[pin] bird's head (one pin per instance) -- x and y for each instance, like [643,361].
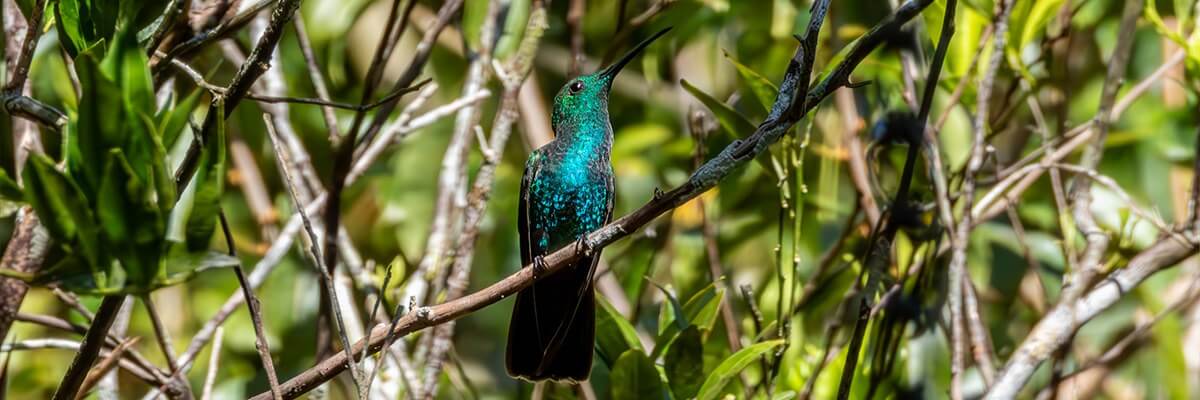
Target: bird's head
[586,97]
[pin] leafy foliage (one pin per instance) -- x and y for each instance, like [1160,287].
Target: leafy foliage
[111,207]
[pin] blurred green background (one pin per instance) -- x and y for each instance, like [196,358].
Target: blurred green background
[730,53]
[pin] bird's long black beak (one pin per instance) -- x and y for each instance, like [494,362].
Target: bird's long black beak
[611,72]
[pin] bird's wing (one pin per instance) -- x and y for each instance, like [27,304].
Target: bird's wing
[532,167]
[612,198]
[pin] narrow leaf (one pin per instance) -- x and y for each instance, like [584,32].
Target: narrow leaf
[732,366]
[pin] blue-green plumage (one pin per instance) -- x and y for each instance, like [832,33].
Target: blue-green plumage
[566,192]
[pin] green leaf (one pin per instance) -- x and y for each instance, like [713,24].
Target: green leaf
[1151,13]
[173,120]
[764,91]
[62,207]
[1018,21]
[132,226]
[182,264]
[684,364]
[700,310]
[1039,16]
[127,63]
[99,126]
[513,30]
[9,190]
[136,15]
[1183,12]
[635,378]
[733,122]
[473,14]
[66,17]
[208,184]
[679,319]
[733,365]
[614,335]
[103,17]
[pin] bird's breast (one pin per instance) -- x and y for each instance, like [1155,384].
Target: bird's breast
[566,203]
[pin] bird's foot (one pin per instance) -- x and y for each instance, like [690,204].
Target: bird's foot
[539,267]
[584,246]
[658,193]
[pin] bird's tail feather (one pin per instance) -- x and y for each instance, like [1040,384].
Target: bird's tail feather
[552,330]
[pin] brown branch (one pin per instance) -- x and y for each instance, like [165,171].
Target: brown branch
[25,252]
[89,349]
[164,342]
[788,109]
[19,70]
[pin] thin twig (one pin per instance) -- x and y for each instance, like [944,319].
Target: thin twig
[709,230]
[449,204]
[1057,327]
[343,159]
[164,341]
[314,74]
[214,358]
[260,337]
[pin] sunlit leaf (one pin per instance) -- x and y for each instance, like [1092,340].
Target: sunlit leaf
[732,366]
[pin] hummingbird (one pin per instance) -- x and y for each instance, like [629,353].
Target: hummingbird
[566,192]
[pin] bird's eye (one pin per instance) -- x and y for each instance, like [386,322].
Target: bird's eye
[575,87]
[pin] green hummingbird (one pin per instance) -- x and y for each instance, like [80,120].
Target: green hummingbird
[566,192]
